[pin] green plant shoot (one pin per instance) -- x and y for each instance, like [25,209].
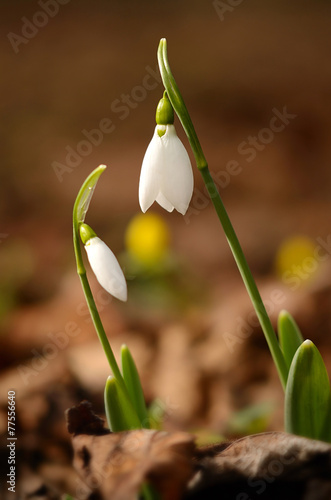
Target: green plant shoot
[307,396]
[119,408]
[290,337]
[120,412]
[133,385]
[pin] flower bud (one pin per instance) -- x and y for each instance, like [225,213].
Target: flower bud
[103,263]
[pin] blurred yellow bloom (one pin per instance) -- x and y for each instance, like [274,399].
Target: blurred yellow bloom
[297,261]
[147,238]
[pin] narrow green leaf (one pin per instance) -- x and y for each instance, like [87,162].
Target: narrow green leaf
[307,395]
[121,415]
[133,384]
[148,492]
[156,413]
[289,334]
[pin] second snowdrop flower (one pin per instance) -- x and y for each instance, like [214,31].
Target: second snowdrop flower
[166,173]
[104,263]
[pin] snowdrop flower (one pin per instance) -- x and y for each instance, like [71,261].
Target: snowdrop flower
[166,173]
[104,263]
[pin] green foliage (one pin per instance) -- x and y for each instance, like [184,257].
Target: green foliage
[121,415]
[289,334]
[307,395]
[251,420]
[133,385]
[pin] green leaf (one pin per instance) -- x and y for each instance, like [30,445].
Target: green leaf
[156,413]
[289,334]
[148,492]
[133,384]
[307,395]
[121,415]
[252,419]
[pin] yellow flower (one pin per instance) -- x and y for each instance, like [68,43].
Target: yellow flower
[147,238]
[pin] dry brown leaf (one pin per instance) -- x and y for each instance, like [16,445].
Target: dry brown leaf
[82,420]
[269,466]
[264,466]
[117,464]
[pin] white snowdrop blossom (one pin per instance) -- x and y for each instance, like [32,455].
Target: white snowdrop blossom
[166,173]
[106,268]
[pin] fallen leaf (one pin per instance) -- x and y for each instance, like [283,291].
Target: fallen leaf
[264,466]
[115,465]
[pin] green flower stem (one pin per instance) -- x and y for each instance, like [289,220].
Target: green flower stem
[247,277]
[178,104]
[100,329]
[79,212]
[184,117]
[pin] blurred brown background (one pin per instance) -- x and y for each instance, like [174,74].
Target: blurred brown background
[237,67]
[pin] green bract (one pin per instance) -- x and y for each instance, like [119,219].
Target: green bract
[80,209]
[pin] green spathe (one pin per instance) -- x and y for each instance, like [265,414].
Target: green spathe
[307,395]
[80,209]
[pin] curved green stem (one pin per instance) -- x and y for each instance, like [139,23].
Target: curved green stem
[184,117]
[178,104]
[100,329]
[80,208]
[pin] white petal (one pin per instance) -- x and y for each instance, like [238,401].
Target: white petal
[177,179]
[151,173]
[106,268]
[164,203]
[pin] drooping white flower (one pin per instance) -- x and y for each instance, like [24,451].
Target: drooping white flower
[106,268]
[166,173]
